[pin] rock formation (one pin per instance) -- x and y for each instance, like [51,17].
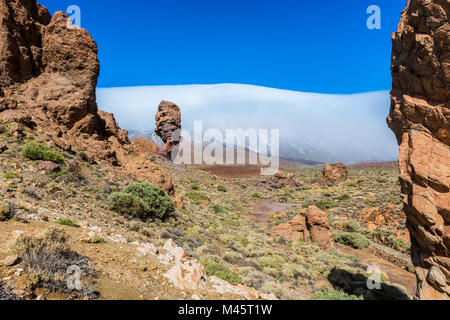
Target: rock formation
[48,77]
[312,226]
[168,120]
[145,146]
[333,174]
[420,118]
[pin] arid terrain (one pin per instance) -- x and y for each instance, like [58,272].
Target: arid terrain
[226,224]
[88,213]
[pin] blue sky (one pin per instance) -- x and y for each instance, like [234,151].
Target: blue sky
[319,46]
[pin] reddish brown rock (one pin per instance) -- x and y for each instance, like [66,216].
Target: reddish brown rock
[333,174]
[310,227]
[294,230]
[51,71]
[48,166]
[319,227]
[420,118]
[145,146]
[168,120]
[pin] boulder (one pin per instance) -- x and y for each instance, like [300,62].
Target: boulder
[312,226]
[319,227]
[333,174]
[420,119]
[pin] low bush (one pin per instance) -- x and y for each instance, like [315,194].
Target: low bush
[49,259]
[326,204]
[331,294]
[197,197]
[142,200]
[221,189]
[217,208]
[36,151]
[5,212]
[66,222]
[215,267]
[353,239]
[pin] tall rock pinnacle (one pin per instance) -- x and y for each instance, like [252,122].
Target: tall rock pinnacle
[420,118]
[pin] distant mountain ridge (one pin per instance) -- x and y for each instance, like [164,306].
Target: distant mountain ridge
[313,127]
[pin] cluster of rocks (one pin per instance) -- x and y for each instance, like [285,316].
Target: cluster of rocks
[280,180]
[333,174]
[420,119]
[311,226]
[48,79]
[189,274]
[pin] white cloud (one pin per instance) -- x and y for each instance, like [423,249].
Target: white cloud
[315,127]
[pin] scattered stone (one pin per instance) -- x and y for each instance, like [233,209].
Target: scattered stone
[148,249]
[11,261]
[48,166]
[190,275]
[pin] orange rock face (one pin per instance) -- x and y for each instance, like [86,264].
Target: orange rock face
[48,77]
[311,227]
[145,146]
[420,118]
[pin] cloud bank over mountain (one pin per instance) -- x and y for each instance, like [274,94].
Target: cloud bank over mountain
[314,127]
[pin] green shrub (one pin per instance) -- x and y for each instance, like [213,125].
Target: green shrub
[5,212]
[343,197]
[11,175]
[326,204]
[215,267]
[256,195]
[142,200]
[66,222]
[221,189]
[350,225]
[331,294]
[194,186]
[353,239]
[197,197]
[217,208]
[36,151]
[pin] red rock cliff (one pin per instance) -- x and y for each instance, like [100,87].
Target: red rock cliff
[420,118]
[48,77]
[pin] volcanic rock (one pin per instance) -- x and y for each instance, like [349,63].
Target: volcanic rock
[333,174]
[420,119]
[168,120]
[319,227]
[50,70]
[145,146]
[312,226]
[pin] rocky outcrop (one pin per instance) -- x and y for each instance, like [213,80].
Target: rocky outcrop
[333,174]
[310,226]
[145,146]
[420,118]
[168,120]
[48,78]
